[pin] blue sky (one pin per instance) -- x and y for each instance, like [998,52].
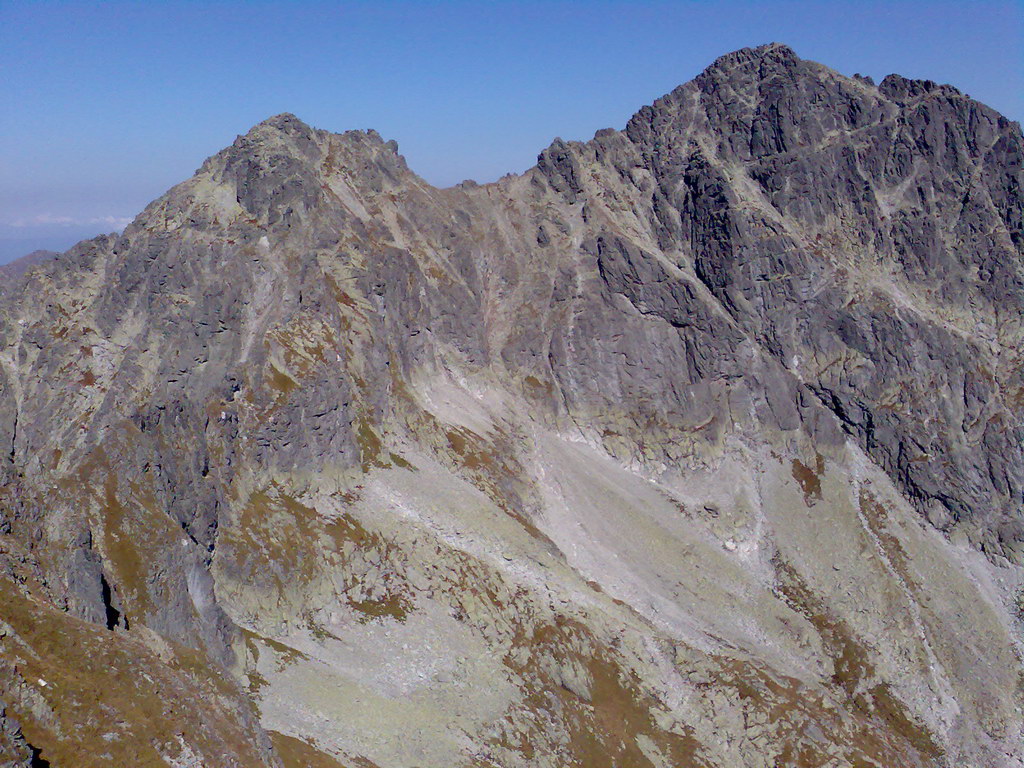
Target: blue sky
[106,105]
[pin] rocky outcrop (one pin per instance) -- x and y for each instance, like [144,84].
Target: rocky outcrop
[697,444]
[15,751]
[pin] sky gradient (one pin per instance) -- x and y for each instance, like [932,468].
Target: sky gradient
[106,105]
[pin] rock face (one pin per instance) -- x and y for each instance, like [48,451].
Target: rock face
[698,444]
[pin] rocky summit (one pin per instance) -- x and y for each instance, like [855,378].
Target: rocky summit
[700,443]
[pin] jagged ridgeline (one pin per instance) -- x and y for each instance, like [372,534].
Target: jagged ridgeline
[698,444]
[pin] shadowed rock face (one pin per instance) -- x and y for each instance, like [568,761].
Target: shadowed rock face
[699,443]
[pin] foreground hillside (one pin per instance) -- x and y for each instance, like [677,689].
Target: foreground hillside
[698,444]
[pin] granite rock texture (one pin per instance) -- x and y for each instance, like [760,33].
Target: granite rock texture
[698,444]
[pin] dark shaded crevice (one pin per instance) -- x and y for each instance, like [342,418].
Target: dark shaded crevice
[113,618]
[14,437]
[36,760]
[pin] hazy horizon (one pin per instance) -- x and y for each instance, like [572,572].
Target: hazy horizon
[115,103]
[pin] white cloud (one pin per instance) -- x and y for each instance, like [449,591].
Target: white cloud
[49,220]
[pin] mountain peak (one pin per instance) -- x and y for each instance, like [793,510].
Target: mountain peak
[280,119]
[899,88]
[281,126]
[285,122]
[769,53]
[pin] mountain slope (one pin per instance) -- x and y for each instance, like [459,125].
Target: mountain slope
[13,270]
[697,444]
